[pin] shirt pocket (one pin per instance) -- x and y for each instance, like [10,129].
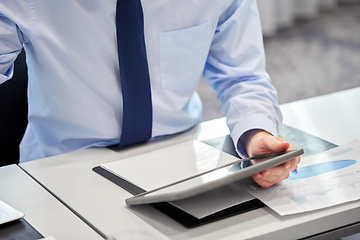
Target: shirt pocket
[183,54]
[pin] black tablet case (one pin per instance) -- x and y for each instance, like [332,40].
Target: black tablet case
[19,230]
[300,139]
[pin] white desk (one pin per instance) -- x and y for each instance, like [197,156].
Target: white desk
[334,117]
[101,202]
[47,215]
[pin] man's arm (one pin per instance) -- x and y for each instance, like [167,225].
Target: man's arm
[236,70]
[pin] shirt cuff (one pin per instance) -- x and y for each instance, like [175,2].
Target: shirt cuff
[255,121]
[7,75]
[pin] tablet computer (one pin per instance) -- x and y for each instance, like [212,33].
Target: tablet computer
[213,178]
[8,213]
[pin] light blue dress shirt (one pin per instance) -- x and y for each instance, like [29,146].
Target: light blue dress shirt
[74,91]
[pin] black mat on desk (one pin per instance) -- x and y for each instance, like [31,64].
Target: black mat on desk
[300,139]
[176,213]
[306,141]
[19,230]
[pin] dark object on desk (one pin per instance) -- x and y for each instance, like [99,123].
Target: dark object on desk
[308,142]
[177,214]
[298,138]
[13,112]
[19,230]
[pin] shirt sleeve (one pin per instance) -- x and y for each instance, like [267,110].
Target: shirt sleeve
[10,46]
[235,68]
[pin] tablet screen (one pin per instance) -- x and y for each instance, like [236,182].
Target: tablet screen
[214,178]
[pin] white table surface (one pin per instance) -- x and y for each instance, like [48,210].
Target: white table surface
[43,211]
[101,202]
[334,117]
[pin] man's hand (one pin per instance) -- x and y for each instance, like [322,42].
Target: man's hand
[258,142]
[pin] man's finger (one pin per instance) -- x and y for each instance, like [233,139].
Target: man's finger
[274,144]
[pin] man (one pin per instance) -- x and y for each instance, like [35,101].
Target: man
[75,95]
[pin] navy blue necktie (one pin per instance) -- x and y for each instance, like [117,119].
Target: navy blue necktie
[134,73]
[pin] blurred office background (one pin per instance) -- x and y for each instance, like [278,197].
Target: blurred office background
[312,48]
